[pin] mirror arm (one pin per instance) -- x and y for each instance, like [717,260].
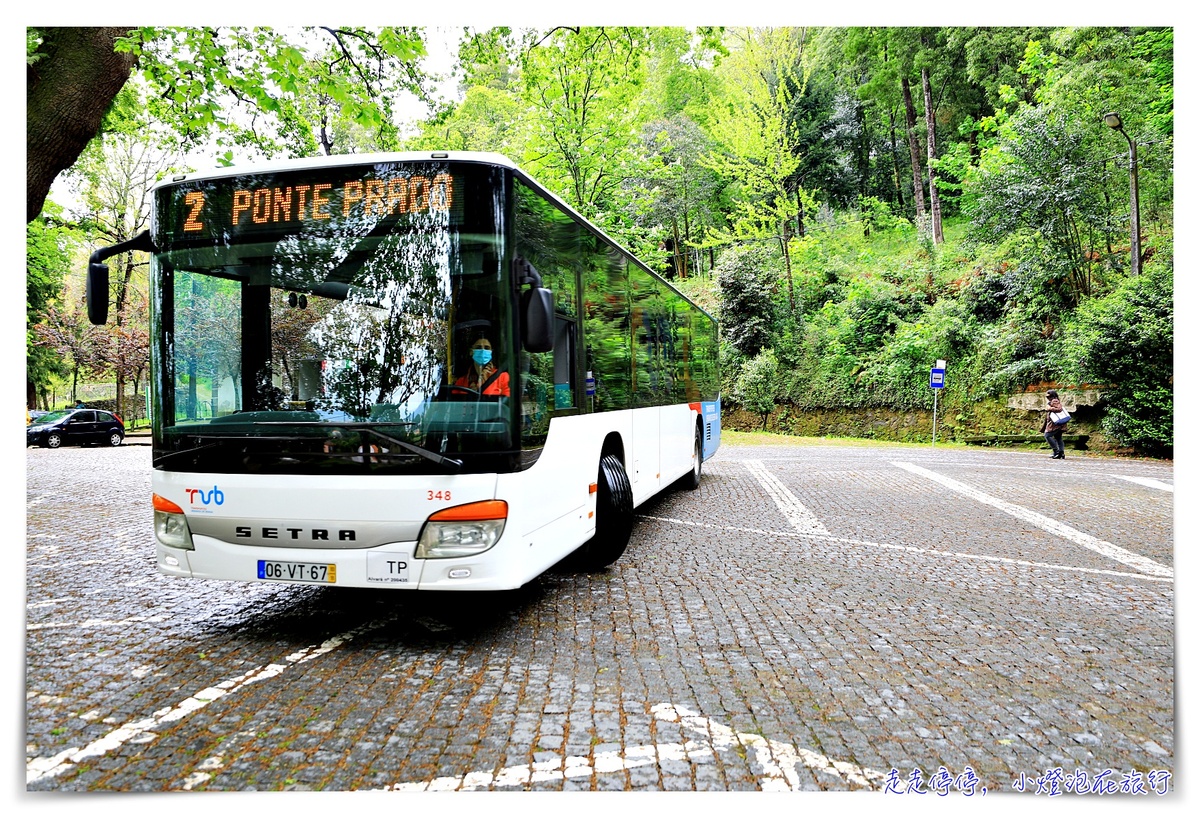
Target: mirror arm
[525,273]
[97,274]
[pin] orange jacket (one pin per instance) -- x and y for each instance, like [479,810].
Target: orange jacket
[498,386]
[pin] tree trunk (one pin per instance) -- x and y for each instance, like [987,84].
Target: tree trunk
[68,91]
[784,239]
[897,174]
[680,262]
[687,237]
[862,150]
[935,202]
[120,406]
[799,214]
[910,115]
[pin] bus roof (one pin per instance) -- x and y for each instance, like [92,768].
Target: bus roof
[340,160]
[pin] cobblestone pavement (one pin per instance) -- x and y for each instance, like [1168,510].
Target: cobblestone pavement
[812,618]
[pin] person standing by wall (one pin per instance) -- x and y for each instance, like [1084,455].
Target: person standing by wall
[1053,431]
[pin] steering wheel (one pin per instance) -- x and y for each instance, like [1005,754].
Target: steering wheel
[456,392]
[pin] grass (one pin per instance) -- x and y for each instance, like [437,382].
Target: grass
[732,438]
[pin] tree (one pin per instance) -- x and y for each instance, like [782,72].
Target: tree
[47,260]
[914,154]
[935,201]
[758,383]
[1125,341]
[197,76]
[1039,180]
[113,179]
[754,125]
[746,312]
[583,87]
[122,350]
[686,189]
[68,336]
[680,79]
[72,75]
[487,119]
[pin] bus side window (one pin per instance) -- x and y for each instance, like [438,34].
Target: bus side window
[565,391]
[548,380]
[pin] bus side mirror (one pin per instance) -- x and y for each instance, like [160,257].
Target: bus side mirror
[537,308]
[537,319]
[97,293]
[97,274]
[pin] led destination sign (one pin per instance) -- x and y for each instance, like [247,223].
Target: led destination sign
[287,202]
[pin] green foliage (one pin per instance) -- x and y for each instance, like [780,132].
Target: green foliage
[768,172]
[1157,47]
[293,87]
[757,384]
[1124,341]
[47,262]
[899,375]
[487,119]
[743,278]
[1039,182]
[582,88]
[753,124]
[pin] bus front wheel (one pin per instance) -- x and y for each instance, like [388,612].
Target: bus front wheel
[614,516]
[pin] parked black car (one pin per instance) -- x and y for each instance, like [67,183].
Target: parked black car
[76,427]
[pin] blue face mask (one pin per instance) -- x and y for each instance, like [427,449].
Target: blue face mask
[481,356]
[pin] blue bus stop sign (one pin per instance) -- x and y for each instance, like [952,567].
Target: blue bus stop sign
[937,378]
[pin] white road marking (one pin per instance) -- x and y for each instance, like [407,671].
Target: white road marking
[777,763]
[204,772]
[933,552]
[1107,549]
[142,730]
[1146,481]
[800,517]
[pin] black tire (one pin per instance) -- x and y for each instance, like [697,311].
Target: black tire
[53,440]
[691,480]
[115,438]
[614,517]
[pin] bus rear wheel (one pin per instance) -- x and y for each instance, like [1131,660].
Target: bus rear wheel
[691,480]
[614,517]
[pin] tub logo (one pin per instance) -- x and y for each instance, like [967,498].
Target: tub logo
[215,497]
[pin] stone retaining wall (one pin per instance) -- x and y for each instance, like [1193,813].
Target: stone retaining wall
[992,416]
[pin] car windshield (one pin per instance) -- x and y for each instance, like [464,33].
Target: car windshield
[52,417]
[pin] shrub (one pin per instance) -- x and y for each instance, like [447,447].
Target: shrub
[744,276]
[757,384]
[1124,341]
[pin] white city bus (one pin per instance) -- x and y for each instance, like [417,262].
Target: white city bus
[318,416]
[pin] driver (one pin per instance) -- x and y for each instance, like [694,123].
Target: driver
[483,376]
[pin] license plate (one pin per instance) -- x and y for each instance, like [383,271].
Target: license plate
[297,571]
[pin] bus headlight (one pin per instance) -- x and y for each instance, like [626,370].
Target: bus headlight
[462,531]
[170,526]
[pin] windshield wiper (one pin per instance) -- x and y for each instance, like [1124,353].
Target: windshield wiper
[373,428]
[162,459]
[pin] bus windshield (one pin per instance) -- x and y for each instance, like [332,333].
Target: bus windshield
[331,320]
